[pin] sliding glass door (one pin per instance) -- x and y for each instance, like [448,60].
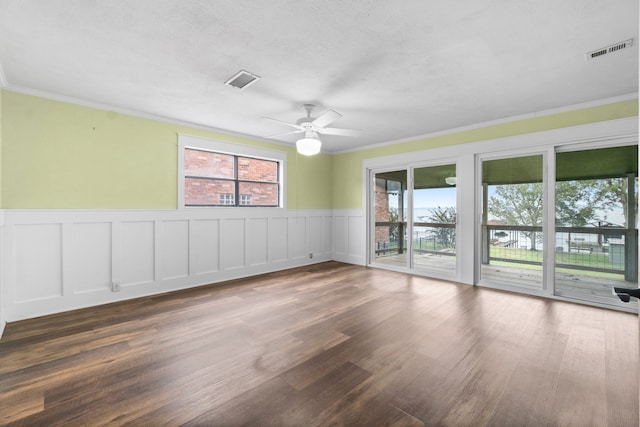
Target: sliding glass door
[512,222]
[414,219]
[434,220]
[596,222]
[591,245]
[390,208]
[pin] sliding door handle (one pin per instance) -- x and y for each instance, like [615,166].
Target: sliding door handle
[625,294]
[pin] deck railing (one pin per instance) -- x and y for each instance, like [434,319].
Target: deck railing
[433,237]
[600,249]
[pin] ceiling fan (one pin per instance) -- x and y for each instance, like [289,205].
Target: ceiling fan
[311,127]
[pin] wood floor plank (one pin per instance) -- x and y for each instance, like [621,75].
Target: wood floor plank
[327,344]
[582,376]
[261,405]
[621,363]
[532,386]
[19,403]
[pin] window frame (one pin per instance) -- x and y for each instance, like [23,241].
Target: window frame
[223,197]
[233,149]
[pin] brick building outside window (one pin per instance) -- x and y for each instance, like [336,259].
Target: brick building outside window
[220,179]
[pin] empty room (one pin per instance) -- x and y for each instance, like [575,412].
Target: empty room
[312,213]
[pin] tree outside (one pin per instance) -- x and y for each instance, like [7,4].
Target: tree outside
[445,237]
[518,204]
[578,204]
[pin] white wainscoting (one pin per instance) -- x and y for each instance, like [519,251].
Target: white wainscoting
[59,260]
[349,236]
[3,318]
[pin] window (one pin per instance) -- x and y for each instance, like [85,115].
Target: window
[215,179]
[227,199]
[211,175]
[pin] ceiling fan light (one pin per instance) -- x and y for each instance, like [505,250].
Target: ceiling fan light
[308,146]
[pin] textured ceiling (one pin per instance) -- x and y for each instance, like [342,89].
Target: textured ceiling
[393,69]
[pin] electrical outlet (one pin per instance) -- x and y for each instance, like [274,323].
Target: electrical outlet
[115,286]
[310,255]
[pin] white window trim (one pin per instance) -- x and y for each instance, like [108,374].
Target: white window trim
[208,144]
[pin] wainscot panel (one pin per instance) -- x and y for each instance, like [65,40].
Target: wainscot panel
[3,320]
[59,260]
[349,236]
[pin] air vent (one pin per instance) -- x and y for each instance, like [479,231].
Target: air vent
[242,79]
[609,49]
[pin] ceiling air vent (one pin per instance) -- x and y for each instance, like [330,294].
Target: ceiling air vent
[609,49]
[242,79]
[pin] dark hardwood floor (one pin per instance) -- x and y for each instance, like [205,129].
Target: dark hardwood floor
[329,344]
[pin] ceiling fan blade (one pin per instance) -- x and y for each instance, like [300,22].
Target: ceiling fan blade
[341,132]
[285,133]
[326,118]
[285,123]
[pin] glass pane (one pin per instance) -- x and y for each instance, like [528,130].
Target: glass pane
[596,227]
[207,164]
[258,194]
[250,169]
[434,230]
[390,207]
[208,192]
[512,222]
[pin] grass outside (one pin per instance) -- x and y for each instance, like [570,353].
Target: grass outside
[572,258]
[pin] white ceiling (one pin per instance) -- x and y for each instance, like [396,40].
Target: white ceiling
[395,69]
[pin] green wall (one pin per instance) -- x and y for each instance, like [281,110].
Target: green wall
[347,168]
[57,155]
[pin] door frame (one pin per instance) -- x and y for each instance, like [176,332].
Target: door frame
[409,167]
[548,203]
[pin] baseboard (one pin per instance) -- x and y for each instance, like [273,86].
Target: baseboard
[350,259]
[49,306]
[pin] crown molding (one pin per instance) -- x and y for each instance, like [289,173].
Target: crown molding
[140,114]
[480,125]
